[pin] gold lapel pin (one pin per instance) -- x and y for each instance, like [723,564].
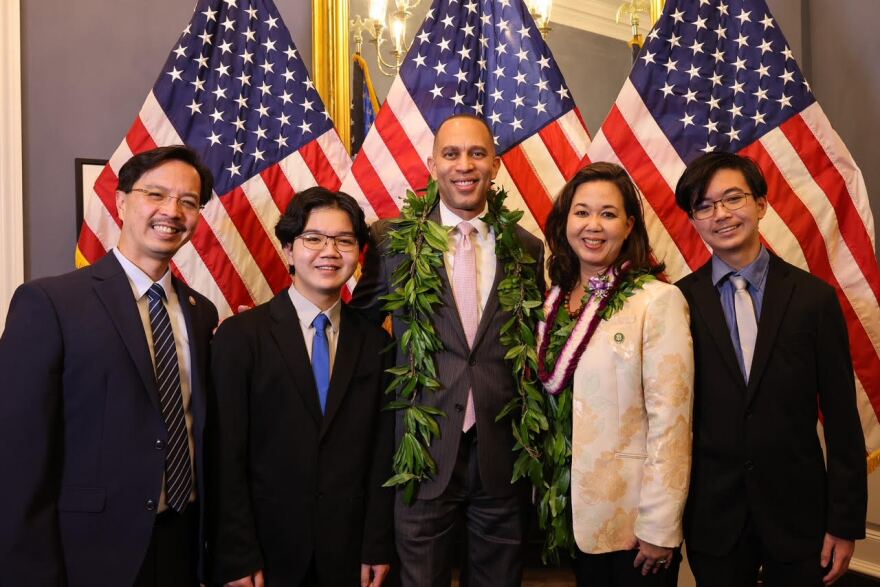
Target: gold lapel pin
[192,301]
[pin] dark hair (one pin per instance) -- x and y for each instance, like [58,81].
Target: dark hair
[691,187]
[468,116]
[139,164]
[294,220]
[564,265]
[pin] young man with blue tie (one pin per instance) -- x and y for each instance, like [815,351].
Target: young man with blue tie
[301,444]
[771,351]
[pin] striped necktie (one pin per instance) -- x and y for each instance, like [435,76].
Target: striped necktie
[178,471]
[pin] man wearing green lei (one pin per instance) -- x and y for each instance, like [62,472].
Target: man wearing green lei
[449,271]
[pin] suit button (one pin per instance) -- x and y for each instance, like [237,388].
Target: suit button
[150,505]
[750,465]
[749,413]
[159,444]
[459,408]
[472,361]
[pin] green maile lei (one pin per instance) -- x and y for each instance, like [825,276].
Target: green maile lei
[553,494]
[416,294]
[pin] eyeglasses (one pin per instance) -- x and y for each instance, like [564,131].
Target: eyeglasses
[185,202]
[732,201]
[316,241]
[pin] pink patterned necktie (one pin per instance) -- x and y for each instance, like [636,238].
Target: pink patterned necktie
[464,288]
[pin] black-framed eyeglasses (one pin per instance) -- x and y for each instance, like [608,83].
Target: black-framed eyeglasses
[732,201]
[316,241]
[185,202]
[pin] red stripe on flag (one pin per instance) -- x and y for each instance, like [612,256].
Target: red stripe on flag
[320,166]
[792,210]
[254,236]
[654,188]
[373,188]
[530,187]
[397,141]
[89,245]
[105,187]
[138,138]
[828,177]
[279,188]
[221,268]
[560,149]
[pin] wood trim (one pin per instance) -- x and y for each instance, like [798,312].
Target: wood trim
[11,170]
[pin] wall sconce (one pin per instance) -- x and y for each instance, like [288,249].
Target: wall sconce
[540,11]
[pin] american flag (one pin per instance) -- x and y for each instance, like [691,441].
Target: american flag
[235,89]
[485,57]
[719,75]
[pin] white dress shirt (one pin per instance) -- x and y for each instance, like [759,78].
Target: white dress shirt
[306,312]
[483,242]
[140,282]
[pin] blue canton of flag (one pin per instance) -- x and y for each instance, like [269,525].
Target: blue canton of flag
[485,57]
[237,91]
[719,75]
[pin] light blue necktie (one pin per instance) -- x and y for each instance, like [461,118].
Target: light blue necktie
[321,358]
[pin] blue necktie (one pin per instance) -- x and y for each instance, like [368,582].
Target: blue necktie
[321,358]
[178,472]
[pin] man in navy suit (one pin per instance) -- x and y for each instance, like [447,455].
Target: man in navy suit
[103,404]
[770,350]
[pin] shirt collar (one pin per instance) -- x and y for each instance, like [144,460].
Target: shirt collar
[140,281]
[306,310]
[450,218]
[755,272]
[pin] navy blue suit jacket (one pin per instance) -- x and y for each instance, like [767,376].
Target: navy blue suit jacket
[79,425]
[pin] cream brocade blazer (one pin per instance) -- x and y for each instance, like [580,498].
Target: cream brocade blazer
[631,428]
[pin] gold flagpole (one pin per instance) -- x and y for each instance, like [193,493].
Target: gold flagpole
[331,62]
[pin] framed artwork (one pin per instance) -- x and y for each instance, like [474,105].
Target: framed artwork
[87,172]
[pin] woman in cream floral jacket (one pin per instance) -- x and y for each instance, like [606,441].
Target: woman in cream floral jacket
[618,340]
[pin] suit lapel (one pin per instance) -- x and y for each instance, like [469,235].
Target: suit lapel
[777,293]
[287,333]
[197,352]
[114,290]
[708,304]
[491,304]
[348,349]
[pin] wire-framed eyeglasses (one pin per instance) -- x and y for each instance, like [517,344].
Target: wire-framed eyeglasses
[732,201]
[316,241]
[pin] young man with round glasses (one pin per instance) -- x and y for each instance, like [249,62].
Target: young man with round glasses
[301,444]
[771,351]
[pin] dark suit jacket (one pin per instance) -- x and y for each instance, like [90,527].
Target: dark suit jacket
[483,368]
[79,424]
[756,451]
[288,483]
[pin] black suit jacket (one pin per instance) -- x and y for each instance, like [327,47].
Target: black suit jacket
[756,451]
[79,424]
[482,368]
[288,483]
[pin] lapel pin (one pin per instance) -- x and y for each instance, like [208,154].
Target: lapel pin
[192,301]
[618,337]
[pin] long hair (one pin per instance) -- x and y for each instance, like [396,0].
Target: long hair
[564,265]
